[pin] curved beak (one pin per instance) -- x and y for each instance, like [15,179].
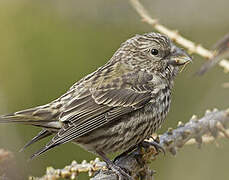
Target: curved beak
[179,57]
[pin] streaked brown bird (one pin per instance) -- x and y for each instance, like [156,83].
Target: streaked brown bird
[117,106]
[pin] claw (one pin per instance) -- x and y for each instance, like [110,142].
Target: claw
[155,144]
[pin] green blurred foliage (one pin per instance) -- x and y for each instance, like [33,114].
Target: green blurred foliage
[46,46]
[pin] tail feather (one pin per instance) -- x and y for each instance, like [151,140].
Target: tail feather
[34,116]
[45,116]
[41,135]
[43,150]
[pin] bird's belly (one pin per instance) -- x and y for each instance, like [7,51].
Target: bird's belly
[127,131]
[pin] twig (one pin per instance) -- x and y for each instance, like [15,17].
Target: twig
[213,124]
[175,36]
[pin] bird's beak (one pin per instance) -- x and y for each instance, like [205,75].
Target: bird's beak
[179,57]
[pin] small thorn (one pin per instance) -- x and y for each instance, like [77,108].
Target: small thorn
[74,162]
[194,118]
[91,162]
[207,112]
[96,160]
[222,129]
[49,170]
[215,110]
[180,124]
[170,131]
[84,162]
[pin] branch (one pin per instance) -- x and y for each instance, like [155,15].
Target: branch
[175,36]
[72,171]
[203,130]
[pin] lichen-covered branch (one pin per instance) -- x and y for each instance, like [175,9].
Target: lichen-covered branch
[71,171]
[212,124]
[202,130]
[175,36]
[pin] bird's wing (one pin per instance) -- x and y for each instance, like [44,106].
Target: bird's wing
[104,106]
[98,106]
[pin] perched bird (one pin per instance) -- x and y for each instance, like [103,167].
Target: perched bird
[117,106]
[221,51]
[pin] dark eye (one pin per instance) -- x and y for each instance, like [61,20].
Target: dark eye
[154,52]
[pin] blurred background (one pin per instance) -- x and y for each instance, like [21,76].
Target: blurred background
[47,45]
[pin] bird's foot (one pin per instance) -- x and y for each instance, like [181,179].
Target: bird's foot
[155,144]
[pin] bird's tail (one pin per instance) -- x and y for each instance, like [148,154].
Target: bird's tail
[42,116]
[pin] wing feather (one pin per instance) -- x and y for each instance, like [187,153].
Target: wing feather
[98,107]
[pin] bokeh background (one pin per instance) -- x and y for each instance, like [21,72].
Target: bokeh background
[47,45]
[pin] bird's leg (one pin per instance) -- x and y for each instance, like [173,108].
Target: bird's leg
[122,175]
[125,153]
[155,144]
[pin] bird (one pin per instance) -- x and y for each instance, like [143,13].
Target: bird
[221,50]
[117,106]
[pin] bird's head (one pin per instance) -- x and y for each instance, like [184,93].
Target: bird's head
[153,52]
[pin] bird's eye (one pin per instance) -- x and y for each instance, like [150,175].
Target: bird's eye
[154,52]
